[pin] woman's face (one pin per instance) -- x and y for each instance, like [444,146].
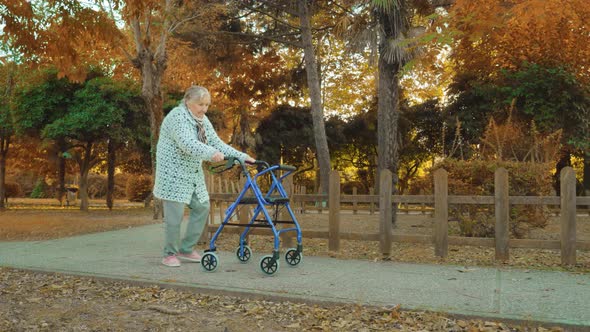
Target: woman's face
[199,107]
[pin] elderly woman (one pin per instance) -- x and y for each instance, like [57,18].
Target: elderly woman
[186,139]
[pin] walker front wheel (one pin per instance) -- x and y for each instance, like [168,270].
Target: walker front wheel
[293,257]
[245,257]
[269,265]
[209,262]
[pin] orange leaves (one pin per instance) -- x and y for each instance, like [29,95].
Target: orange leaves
[16,17]
[73,42]
[502,34]
[63,33]
[138,8]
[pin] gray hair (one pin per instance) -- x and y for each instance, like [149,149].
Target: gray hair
[196,92]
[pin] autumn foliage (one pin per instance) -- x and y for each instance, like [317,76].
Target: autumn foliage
[503,34]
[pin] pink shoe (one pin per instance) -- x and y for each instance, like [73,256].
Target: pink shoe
[192,257]
[171,261]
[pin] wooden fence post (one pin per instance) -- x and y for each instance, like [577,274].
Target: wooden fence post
[385,211]
[320,202]
[441,213]
[220,202]
[242,210]
[334,206]
[422,205]
[568,216]
[502,210]
[371,205]
[354,203]
[206,235]
[303,192]
[287,240]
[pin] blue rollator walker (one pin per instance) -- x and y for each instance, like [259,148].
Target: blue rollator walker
[276,198]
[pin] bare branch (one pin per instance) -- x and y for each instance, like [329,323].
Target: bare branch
[274,17]
[275,38]
[160,54]
[344,9]
[175,25]
[127,54]
[147,24]
[282,7]
[442,3]
[137,34]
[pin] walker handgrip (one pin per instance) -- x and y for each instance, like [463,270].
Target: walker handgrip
[231,161]
[287,168]
[261,165]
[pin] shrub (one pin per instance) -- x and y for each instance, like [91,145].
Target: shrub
[138,188]
[120,191]
[97,186]
[26,180]
[13,189]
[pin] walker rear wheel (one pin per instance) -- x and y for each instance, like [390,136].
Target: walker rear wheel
[245,257]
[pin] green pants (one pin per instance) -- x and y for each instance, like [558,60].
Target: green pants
[173,215]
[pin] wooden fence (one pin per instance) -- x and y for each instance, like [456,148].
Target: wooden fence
[568,202]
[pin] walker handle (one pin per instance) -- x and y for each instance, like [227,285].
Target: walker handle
[287,168]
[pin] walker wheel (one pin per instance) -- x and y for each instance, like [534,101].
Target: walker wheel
[209,261]
[269,265]
[246,256]
[293,257]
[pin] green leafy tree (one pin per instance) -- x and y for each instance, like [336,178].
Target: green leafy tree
[38,104]
[358,146]
[286,135]
[420,127]
[96,111]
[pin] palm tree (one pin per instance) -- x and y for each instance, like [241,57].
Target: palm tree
[386,31]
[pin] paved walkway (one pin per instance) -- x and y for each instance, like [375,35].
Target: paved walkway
[134,254]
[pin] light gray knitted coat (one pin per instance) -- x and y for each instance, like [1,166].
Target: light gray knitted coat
[179,156]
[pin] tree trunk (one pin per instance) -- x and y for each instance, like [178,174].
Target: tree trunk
[152,64]
[388,111]
[85,163]
[4,144]
[313,81]
[62,147]
[242,134]
[5,135]
[110,173]
[586,176]
[61,178]
[564,161]
[154,102]
[387,123]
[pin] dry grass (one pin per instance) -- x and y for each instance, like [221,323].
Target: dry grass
[30,225]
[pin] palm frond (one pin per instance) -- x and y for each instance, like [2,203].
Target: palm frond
[386,5]
[395,50]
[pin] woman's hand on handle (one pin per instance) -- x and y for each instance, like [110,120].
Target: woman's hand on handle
[217,157]
[250,160]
